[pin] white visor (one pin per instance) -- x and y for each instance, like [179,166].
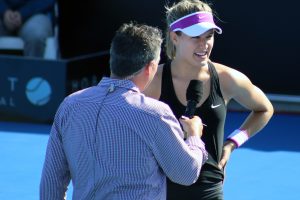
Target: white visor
[195,24]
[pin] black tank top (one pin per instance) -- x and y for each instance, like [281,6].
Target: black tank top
[213,114]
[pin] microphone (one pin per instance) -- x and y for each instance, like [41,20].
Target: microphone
[194,94]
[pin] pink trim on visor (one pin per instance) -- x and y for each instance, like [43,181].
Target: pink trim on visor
[195,24]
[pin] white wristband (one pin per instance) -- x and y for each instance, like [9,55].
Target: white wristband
[239,137]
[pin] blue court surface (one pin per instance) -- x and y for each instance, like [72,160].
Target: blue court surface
[267,167]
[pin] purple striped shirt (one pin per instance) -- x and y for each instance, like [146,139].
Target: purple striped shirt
[116,143]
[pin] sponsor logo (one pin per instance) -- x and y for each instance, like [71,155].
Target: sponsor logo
[38,91]
[214,106]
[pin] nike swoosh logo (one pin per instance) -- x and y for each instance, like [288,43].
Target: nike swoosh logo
[214,106]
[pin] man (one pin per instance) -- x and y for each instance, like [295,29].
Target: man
[116,143]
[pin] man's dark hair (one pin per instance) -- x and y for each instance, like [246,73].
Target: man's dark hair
[134,46]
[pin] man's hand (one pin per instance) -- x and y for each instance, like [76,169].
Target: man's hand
[193,126]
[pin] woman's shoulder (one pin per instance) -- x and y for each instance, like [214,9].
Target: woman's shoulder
[220,67]
[231,80]
[160,68]
[227,72]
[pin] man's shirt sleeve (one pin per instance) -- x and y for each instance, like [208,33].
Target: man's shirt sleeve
[180,160]
[55,175]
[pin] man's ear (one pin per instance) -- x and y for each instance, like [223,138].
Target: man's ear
[149,67]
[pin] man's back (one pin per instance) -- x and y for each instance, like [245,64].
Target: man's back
[108,141]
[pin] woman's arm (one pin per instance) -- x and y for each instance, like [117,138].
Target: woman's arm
[235,85]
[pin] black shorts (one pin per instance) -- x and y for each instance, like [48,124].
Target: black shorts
[204,191]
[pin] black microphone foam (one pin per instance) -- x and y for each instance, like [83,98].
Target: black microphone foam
[194,94]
